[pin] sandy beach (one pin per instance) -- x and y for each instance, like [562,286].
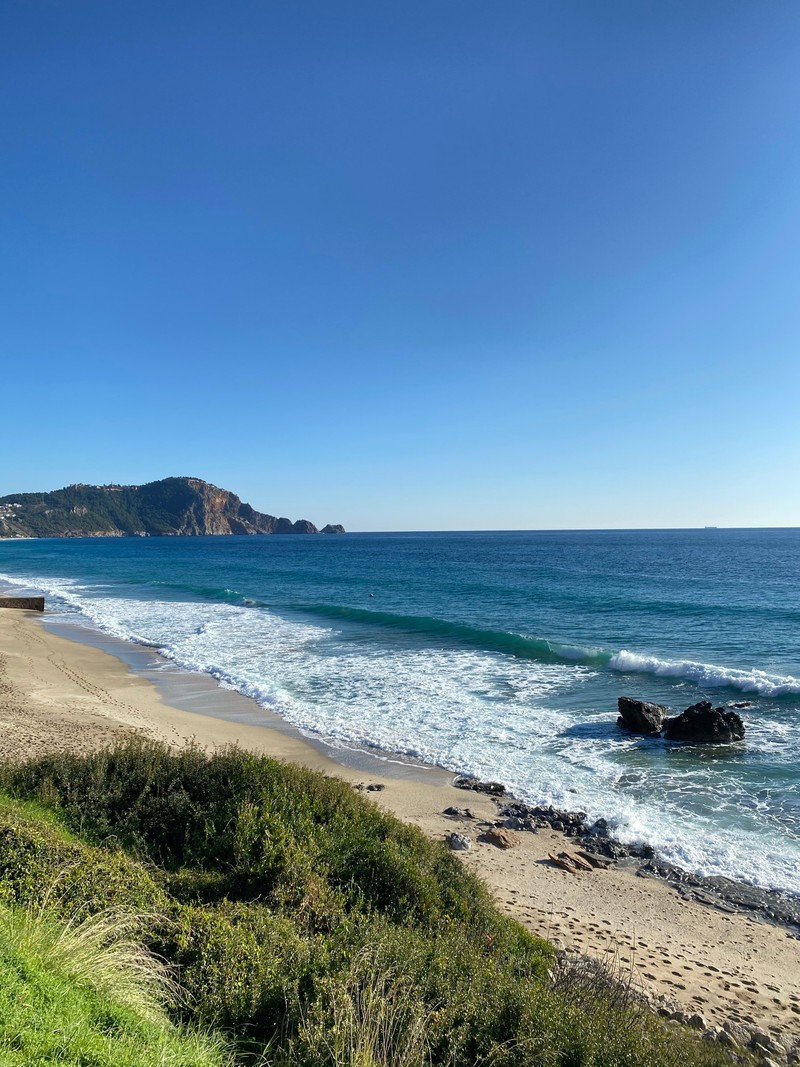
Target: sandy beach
[726,967]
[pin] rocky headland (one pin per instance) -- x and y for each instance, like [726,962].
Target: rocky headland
[170,507]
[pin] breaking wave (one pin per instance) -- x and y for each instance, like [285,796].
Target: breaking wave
[707,675]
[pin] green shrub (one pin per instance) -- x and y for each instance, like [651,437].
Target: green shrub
[38,863]
[274,828]
[244,969]
[310,926]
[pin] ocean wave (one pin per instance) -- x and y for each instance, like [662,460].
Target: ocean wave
[707,675]
[503,641]
[519,646]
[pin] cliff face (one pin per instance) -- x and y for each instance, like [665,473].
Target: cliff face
[183,507]
[203,509]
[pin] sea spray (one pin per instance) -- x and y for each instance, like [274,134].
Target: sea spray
[707,675]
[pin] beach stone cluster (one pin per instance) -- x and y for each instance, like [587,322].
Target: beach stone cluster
[519,816]
[597,844]
[771,1049]
[597,848]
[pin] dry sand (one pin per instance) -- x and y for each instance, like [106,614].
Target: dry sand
[60,694]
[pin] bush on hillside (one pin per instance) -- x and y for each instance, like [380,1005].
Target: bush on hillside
[310,926]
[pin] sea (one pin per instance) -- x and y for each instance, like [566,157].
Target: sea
[499,655]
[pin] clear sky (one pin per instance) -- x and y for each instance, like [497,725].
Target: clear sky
[416,265]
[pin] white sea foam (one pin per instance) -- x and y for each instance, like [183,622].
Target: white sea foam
[707,675]
[488,714]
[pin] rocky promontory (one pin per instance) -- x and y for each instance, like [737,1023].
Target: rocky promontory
[176,507]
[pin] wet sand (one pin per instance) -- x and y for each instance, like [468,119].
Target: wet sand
[57,693]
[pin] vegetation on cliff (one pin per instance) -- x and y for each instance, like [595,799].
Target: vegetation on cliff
[171,506]
[303,924]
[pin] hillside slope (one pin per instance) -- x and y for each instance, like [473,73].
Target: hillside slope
[169,507]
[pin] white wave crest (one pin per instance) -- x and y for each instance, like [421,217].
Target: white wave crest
[708,675]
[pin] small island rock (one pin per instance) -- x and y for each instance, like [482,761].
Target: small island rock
[703,722]
[639,717]
[304,526]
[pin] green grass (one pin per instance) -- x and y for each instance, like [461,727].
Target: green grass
[86,995]
[310,928]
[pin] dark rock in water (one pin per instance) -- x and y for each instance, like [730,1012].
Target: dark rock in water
[705,723]
[333,528]
[304,526]
[742,704]
[639,717]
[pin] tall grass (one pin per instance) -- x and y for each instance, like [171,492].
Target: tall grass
[102,951]
[87,993]
[370,1016]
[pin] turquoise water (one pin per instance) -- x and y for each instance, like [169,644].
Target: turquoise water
[498,654]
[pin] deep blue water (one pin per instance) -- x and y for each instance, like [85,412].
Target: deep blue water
[500,654]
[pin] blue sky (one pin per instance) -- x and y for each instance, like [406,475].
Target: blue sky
[437,265]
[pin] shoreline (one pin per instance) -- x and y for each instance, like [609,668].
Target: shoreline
[60,690]
[201,693]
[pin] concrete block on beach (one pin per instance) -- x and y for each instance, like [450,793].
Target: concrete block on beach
[27,603]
